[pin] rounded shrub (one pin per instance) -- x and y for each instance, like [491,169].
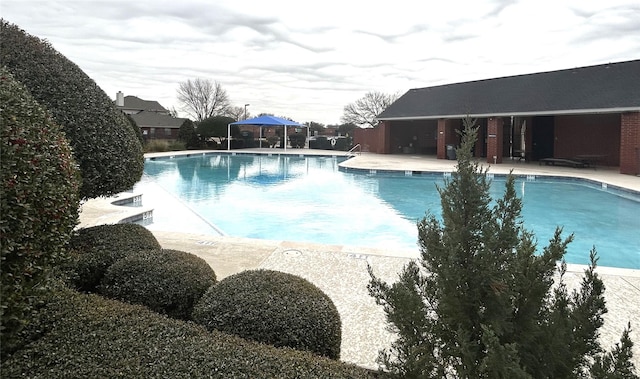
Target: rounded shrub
[90,336]
[39,202]
[166,281]
[273,307]
[104,142]
[95,249]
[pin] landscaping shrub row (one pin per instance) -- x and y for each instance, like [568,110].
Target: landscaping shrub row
[159,145]
[125,262]
[85,335]
[166,281]
[95,249]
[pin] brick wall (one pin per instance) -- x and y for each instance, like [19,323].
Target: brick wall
[495,136]
[588,134]
[630,143]
[447,135]
[370,139]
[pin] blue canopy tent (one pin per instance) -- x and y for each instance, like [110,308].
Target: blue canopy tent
[263,121]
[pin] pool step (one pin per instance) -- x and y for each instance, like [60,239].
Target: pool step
[143,217]
[133,200]
[125,207]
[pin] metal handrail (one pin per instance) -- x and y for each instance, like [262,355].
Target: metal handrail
[351,151]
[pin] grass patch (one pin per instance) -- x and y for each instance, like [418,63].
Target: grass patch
[158,146]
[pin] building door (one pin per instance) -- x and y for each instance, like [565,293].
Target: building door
[542,137]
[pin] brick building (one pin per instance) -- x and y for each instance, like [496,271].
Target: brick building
[154,121]
[591,112]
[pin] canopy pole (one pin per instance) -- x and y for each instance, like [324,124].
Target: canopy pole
[285,137]
[228,136]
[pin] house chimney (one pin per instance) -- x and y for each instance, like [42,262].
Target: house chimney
[120,99]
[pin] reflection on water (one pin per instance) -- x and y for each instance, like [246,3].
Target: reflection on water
[310,199]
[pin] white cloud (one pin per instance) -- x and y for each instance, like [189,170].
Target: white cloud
[307,60]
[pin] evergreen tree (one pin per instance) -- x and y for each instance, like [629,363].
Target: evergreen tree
[188,135]
[618,363]
[480,303]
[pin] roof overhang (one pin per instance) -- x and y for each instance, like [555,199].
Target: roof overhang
[516,114]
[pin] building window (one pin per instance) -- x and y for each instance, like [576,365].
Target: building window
[152,131]
[167,132]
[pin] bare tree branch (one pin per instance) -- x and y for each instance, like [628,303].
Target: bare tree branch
[364,111]
[236,112]
[203,98]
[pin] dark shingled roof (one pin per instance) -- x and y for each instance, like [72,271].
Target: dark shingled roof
[613,87]
[156,120]
[134,102]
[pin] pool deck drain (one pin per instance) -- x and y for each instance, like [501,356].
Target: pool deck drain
[341,271]
[206,243]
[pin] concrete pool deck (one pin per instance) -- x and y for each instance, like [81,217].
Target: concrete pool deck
[341,271]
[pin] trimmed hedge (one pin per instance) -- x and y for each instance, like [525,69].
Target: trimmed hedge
[273,307]
[167,281]
[38,203]
[88,336]
[104,143]
[297,140]
[95,249]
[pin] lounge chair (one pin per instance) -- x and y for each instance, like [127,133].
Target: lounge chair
[564,162]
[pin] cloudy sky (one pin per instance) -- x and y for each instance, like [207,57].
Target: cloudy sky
[306,60]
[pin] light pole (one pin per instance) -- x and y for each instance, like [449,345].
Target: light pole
[245,110]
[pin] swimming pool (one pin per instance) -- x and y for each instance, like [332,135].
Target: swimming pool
[309,199]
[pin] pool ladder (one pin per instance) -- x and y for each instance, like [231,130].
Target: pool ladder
[352,153]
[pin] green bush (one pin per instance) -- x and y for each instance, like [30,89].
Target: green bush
[482,301]
[136,129]
[275,308]
[320,142]
[161,145]
[104,142]
[88,336]
[39,202]
[217,128]
[297,140]
[177,146]
[95,249]
[188,135]
[166,281]
[156,146]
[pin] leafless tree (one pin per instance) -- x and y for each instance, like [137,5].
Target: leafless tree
[364,111]
[237,113]
[203,98]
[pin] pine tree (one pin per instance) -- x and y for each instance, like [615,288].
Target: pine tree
[618,363]
[480,302]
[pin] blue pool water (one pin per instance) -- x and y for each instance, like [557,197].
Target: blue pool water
[303,198]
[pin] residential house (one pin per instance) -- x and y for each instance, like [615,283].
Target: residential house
[591,112]
[154,120]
